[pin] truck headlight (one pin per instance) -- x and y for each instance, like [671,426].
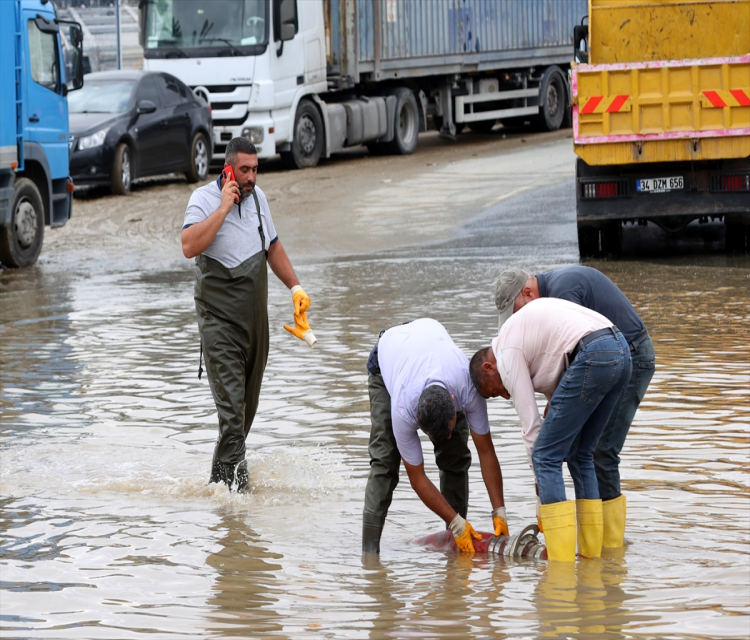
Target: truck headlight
[94,140]
[254,134]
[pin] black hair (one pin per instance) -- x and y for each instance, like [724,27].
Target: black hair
[476,371]
[239,145]
[435,412]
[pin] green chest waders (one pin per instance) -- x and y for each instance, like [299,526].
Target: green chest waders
[232,309]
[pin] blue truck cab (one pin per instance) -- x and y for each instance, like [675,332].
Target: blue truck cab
[35,188]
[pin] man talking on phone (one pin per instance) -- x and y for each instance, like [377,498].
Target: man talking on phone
[229,231]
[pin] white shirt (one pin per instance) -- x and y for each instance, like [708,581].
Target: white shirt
[238,238]
[531,353]
[417,355]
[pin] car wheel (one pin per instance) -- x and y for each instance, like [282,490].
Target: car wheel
[552,100]
[199,159]
[122,171]
[307,142]
[21,242]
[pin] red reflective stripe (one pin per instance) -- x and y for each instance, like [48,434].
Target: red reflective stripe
[591,104]
[714,98]
[741,97]
[617,104]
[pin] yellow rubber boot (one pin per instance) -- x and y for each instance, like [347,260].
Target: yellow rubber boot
[559,521]
[590,528]
[614,522]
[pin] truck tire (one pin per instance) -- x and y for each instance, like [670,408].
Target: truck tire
[737,238]
[198,169]
[552,100]
[596,242]
[612,238]
[122,171]
[307,138]
[406,124]
[21,242]
[588,241]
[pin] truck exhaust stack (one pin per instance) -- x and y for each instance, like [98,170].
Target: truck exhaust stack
[524,545]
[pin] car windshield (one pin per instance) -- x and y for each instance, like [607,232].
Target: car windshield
[101,96]
[182,25]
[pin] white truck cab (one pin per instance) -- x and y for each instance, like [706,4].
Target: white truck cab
[306,78]
[253,61]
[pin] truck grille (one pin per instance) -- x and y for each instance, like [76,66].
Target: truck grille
[729,182]
[604,189]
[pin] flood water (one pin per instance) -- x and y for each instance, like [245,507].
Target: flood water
[110,531]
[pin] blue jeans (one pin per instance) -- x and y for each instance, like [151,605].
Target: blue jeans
[578,412]
[607,454]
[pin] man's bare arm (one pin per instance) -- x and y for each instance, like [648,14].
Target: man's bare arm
[428,492]
[491,473]
[196,238]
[280,264]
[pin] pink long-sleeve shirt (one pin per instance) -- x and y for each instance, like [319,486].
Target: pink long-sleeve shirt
[531,352]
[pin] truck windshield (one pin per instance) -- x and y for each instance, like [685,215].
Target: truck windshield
[101,96]
[204,28]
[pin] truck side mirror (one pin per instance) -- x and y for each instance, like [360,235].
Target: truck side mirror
[285,22]
[287,32]
[581,43]
[75,38]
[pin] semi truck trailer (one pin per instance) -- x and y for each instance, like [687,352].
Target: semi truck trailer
[307,78]
[35,188]
[661,118]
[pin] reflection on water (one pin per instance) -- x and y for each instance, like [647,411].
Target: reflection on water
[107,437]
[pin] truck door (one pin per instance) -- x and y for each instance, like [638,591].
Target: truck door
[47,109]
[287,57]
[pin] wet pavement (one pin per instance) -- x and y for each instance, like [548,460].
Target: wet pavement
[108,526]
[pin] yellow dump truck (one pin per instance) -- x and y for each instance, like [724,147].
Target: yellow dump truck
[661,118]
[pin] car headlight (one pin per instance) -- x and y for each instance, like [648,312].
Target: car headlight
[94,140]
[254,134]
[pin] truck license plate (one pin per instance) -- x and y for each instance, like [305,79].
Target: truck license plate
[659,185]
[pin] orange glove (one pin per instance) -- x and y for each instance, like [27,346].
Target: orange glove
[463,533]
[500,522]
[300,299]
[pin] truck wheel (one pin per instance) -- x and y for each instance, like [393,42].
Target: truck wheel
[588,241]
[21,242]
[122,171]
[198,169]
[552,100]
[737,237]
[612,239]
[307,141]
[406,124]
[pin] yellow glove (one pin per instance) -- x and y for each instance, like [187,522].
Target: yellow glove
[301,329]
[463,533]
[301,300]
[500,522]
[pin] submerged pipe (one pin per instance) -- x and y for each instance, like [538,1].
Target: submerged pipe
[521,545]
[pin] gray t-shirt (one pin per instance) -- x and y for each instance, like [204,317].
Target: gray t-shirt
[417,355]
[238,238]
[592,289]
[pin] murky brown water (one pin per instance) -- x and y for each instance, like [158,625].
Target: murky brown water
[108,529]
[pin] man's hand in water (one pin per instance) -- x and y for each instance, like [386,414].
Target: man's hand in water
[464,534]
